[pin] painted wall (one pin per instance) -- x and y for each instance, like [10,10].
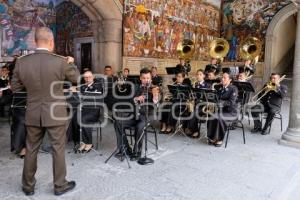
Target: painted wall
[153,29]
[244,18]
[18,21]
[71,23]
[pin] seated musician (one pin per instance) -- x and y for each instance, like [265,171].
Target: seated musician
[5,91]
[216,125]
[168,121]
[109,99]
[126,72]
[271,100]
[214,66]
[156,80]
[211,75]
[88,114]
[242,77]
[192,129]
[138,121]
[248,68]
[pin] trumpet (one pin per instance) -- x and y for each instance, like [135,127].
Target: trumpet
[268,88]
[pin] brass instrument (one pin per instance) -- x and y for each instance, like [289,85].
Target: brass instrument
[214,85]
[120,82]
[218,48]
[268,88]
[250,49]
[209,108]
[186,49]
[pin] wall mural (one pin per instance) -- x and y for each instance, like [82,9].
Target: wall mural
[243,18]
[71,23]
[154,28]
[18,21]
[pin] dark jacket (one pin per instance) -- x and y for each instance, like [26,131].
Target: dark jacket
[227,98]
[273,99]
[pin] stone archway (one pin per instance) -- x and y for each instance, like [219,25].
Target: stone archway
[106,17]
[271,39]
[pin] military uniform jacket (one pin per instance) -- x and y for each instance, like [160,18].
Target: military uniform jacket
[273,99]
[36,72]
[227,98]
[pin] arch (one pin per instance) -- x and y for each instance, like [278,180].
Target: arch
[106,17]
[271,39]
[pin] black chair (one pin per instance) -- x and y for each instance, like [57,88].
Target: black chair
[234,124]
[150,129]
[278,115]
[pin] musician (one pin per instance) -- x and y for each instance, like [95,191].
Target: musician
[241,77]
[156,80]
[109,99]
[248,68]
[211,75]
[271,102]
[213,66]
[216,125]
[168,121]
[192,129]
[88,114]
[126,72]
[5,91]
[138,121]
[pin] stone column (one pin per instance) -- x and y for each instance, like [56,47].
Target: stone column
[292,135]
[112,43]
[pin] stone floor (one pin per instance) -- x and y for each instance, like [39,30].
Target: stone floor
[183,169]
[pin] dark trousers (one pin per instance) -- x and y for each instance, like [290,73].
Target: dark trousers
[18,130]
[4,100]
[88,116]
[258,109]
[217,125]
[138,125]
[57,137]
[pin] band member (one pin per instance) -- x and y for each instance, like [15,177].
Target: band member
[89,114]
[216,125]
[214,66]
[273,93]
[211,75]
[126,72]
[241,77]
[183,66]
[168,121]
[248,69]
[192,129]
[45,113]
[156,80]
[5,91]
[139,121]
[109,99]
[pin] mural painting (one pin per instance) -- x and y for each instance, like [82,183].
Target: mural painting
[154,28]
[244,18]
[18,21]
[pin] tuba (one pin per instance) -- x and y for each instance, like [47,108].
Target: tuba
[218,48]
[186,50]
[250,49]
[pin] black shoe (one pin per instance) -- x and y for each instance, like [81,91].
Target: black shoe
[264,132]
[70,186]
[256,130]
[135,156]
[28,193]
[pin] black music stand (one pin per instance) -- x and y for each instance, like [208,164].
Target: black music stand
[182,93]
[123,148]
[19,100]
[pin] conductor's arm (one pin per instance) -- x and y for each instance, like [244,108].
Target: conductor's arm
[70,71]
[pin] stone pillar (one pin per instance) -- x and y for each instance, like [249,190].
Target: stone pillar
[292,135]
[111,45]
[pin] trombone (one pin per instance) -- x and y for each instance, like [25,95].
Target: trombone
[268,88]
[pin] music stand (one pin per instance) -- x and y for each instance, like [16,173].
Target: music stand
[171,70]
[182,93]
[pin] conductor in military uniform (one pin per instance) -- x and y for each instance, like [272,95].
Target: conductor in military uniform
[271,102]
[45,111]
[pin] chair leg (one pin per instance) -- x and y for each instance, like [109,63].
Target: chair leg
[280,122]
[97,141]
[155,135]
[131,141]
[244,138]
[227,136]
